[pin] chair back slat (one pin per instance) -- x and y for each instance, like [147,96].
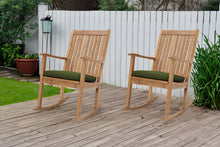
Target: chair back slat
[79,50]
[165,59]
[78,64]
[87,43]
[92,52]
[100,54]
[190,54]
[163,51]
[72,56]
[171,51]
[69,51]
[180,55]
[90,45]
[158,51]
[181,44]
[185,54]
[95,55]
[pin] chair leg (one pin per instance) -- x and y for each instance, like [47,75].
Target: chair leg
[150,93]
[150,100]
[185,98]
[40,95]
[79,104]
[167,109]
[95,109]
[127,106]
[96,97]
[167,116]
[61,93]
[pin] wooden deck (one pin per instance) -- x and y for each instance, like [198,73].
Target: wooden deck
[21,126]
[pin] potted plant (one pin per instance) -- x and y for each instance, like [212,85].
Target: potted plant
[27,65]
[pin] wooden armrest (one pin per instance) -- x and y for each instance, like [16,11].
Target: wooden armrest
[91,59]
[176,58]
[49,55]
[137,55]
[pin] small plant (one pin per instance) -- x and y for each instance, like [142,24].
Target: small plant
[211,5]
[9,52]
[35,56]
[206,74]
[27,56]
[115,5]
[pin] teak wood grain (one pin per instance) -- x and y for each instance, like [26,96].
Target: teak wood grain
[174,55]
[86,55]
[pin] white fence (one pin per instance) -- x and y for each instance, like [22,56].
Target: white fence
[131,31]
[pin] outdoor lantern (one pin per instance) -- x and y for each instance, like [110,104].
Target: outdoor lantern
[46,24]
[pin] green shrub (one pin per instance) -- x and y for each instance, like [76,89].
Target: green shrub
[27,56]
[211,5]
[206,74]
[115,5]
[16,23]
[9,52]
[16,19]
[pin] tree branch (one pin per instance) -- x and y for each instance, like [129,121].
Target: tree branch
[182,5]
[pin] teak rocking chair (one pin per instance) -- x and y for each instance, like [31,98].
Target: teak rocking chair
[82,69]
[171,68]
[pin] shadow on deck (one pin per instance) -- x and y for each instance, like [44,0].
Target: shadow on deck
[21,126]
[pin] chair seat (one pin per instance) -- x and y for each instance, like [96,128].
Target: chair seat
[68,75]
[156,75]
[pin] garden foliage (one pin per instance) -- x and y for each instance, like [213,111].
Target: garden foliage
[206,74]
[16,22]
[211,5]
[15,19]
[9,52]
[115,5]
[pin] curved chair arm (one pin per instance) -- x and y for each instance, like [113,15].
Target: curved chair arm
[84,66]
[172,67]
[49,55]
[133,55]
[44,59]
[141,56]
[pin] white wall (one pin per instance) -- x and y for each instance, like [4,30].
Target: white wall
[131,31]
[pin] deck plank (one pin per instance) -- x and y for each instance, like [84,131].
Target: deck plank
[22,126]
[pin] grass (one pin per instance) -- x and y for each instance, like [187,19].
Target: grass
[13,91]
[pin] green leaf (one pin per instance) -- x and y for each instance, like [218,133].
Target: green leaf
[206,74]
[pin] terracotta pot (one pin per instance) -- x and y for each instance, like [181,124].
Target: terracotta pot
[27,67]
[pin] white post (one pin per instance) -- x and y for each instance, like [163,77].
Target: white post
[42,8]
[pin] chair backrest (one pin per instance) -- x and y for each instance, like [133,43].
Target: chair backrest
[88,43]
[181,44]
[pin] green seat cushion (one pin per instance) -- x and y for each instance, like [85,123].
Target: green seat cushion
[68,75]
[156,75]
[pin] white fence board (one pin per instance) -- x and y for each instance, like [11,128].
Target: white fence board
[212,27]
[218,22]
[106,74]
[113,49]
[131,31]
[118,49]
[123,48]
